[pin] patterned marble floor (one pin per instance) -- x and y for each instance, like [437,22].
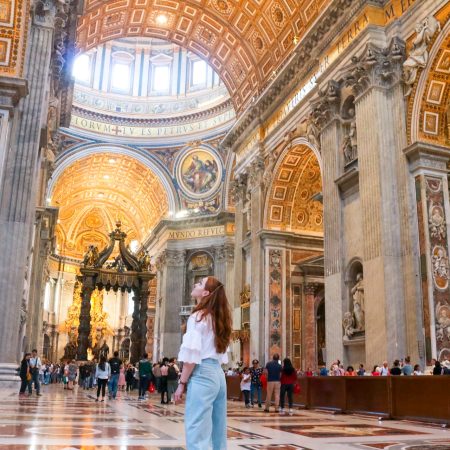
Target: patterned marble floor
[72,420]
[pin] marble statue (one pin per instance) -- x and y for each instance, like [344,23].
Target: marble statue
[418,56]
[358,303]
[348,324]
[349,146]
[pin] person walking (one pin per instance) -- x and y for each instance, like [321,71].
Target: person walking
[113,384]
[129,377]
[145,373]
[246,382]
[203,351]
[25,375]
[256,384]
[273,373]
[122,381]
[102,374]
[35,366]
[163,383]
[288,380]
[72,375]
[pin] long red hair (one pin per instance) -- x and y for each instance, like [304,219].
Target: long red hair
[216,304]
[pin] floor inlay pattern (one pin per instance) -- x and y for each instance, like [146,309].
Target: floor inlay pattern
[61,420]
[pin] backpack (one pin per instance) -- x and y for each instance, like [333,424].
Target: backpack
[115,366]
[172,373]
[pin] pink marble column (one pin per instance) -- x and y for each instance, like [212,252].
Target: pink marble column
[309,337]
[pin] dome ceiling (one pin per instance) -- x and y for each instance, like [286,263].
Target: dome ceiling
[95,191]
[244,41]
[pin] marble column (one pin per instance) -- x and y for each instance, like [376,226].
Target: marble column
[17,201]
[255,187]
[429,181]
[135,335]
[223,264]
[238,187]
[309,338]
[379,100]
[172,297]
[84,328]
[145,293]
[331,138]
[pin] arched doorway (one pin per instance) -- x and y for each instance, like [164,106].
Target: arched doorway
[294,215]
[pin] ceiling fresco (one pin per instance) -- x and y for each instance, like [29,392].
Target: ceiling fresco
[245,42]
[95,191]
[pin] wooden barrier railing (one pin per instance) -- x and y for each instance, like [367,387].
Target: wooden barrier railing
[423,398]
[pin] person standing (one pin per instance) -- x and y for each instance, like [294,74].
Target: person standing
[122,381]
[172,379]
[129,377]
[157,375]
[35,366]
[256,384]
[273,373]
[246,385]
[203,350]
[113,384]
[163,383]
[102,374]
[145,373]
[25,375]
[288,380]
[407,368]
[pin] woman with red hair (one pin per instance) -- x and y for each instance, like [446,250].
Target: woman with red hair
[203,350]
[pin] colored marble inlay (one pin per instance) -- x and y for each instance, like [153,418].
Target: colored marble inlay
[275,300]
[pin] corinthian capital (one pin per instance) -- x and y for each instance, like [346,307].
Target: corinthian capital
[239,187]
[311,288]
[255,173]
[175,257]
[376,67]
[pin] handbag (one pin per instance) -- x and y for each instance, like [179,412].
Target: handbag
[28,376]
[151,388]
[297,389]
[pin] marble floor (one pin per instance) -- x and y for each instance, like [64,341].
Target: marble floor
[72,420]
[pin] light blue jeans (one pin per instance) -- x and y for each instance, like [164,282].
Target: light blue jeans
[205,418]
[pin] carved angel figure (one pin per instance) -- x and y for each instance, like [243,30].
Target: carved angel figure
[144,261]
[91,257]
[348,323]
[418,56]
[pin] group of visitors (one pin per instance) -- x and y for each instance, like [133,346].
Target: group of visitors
[281,380]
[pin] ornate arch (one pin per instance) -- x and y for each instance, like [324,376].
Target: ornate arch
[428,115]
[296,178]
[243,41]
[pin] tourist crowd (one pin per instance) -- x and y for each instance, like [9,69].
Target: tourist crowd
[113,373]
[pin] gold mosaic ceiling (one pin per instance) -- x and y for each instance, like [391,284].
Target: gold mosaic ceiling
[245,41]
[93,192]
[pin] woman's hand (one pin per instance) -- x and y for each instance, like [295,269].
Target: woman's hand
[178,396]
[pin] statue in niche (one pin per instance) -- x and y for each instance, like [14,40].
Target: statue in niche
[348,323]
[418,56]
[358,303]
[70,349]
[349,146]
[90,258]
[268,171]
[245,295]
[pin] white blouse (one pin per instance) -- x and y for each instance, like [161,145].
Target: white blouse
[198,342]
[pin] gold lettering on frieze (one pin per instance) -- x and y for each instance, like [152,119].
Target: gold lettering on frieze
[196,233]
[161,131]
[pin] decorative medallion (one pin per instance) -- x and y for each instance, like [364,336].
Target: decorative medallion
[222,6]
[277,15]
[199,173]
